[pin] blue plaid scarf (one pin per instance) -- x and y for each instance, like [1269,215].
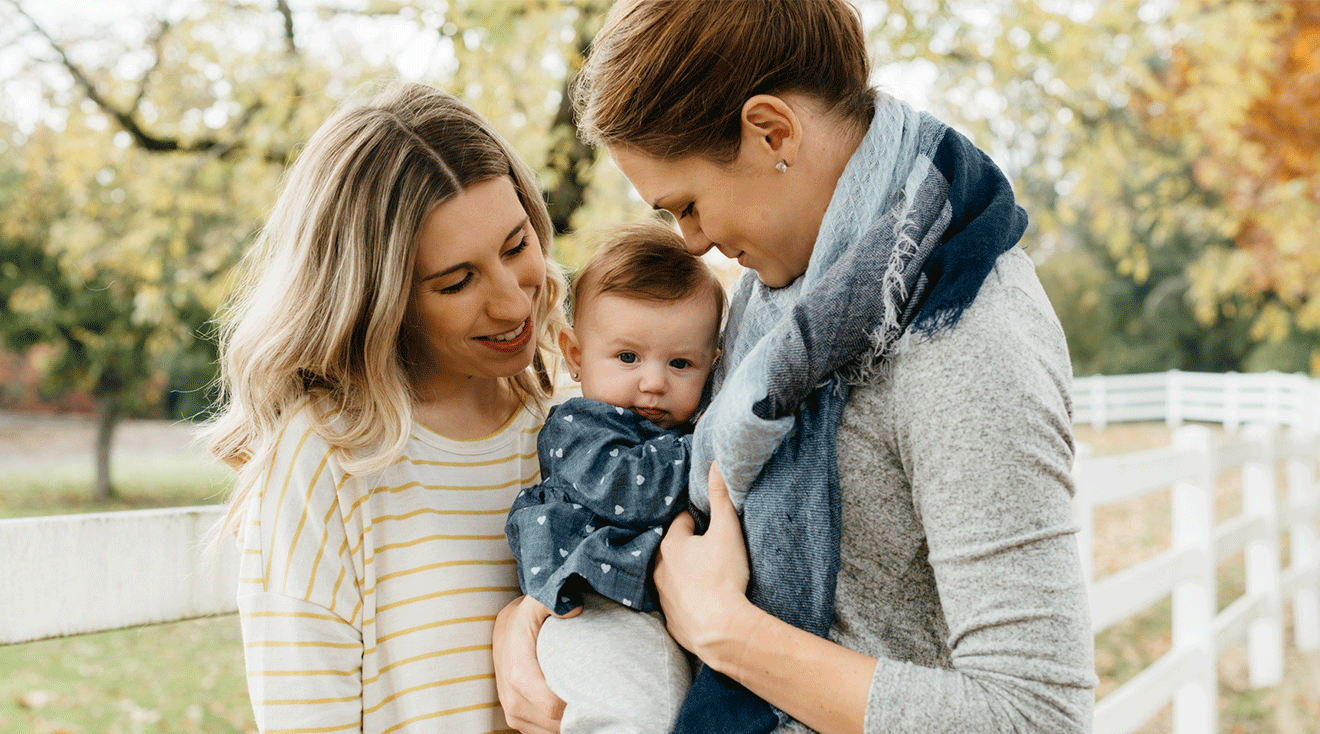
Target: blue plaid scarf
[915,225]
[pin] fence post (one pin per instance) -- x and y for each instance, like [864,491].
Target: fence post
[1273,398]
[1232,402]
[1260,499]
[1083,512]
[1099,406]
[1303,498]
[1173,399]
[1195,705]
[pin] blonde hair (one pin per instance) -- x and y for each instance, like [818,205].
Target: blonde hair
[669,77]
[317,318]
[645,261]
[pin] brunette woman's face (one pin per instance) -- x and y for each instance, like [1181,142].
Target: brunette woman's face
[476,282]
[747,210]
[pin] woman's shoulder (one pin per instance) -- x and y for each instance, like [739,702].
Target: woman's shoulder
[301,437]
[1008,339]
[1010,323]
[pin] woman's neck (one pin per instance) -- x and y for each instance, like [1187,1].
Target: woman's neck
[465,409]
[828,143]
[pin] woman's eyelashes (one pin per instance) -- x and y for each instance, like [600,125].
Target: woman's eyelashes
[508,254]
[517,249]
[687,210]
[457,286]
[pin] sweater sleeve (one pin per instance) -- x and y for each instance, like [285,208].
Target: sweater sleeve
[978,423]
[298,598]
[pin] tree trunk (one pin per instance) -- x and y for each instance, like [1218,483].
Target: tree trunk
[107,417]
[570,160]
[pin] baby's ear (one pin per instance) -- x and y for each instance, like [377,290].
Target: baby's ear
[572,351]
[716,362]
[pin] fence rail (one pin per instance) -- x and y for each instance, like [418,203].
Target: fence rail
[74,574]
[84,573]
[1186,572]
[1231,399]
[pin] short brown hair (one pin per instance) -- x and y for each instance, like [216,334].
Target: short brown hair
[669,77]
[645,261]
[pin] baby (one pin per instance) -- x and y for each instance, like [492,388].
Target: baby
[614,467]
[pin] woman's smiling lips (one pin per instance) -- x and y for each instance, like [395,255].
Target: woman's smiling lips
[510,342]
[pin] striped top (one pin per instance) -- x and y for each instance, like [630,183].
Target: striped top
[367,602]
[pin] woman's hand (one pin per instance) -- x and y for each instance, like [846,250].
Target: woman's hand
[702,580]
[529,704]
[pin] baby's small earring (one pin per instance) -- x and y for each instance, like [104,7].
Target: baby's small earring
[781,166]
[575,376]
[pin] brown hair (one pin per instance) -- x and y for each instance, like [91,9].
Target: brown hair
[669,77]
[645,261]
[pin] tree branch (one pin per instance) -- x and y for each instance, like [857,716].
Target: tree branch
[126,117]
[290,47]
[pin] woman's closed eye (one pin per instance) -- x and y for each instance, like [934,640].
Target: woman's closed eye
[517,249]
[455,288]
[687,210]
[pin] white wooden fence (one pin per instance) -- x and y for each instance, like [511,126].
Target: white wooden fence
[1282,415]
[1175,397]
[85,573]
[1189,470]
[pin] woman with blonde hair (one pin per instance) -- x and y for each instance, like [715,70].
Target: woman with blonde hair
[893,549]
[385,361]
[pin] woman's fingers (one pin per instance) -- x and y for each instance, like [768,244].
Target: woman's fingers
[702,579]
[720,504]
[529,704]
[683,524]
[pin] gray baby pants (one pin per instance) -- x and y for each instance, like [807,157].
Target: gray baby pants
[617,669]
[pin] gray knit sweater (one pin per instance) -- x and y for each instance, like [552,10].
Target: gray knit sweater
[959,566]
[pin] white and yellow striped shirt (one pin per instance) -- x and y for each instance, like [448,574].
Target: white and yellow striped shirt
[367,602]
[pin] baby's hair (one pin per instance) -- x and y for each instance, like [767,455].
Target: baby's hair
[645,261]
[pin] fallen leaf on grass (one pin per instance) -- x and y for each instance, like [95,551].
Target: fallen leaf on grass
[35,699]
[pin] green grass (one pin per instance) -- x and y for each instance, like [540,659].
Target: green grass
[180,677]
[140,484]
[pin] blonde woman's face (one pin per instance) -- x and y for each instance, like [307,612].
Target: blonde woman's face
[476,283]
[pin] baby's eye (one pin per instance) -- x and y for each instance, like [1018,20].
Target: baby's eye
[627,357]
[680,364]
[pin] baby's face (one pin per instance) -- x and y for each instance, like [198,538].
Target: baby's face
[651,357]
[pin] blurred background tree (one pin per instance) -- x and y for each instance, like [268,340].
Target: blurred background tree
[1167,154]
[1165,150]
[148,148]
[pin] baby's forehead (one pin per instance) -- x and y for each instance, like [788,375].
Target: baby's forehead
[603,312]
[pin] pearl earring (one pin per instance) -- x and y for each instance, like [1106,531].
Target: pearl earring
[781,166]
[575,375]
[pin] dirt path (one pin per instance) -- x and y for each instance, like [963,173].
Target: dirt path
[34,441]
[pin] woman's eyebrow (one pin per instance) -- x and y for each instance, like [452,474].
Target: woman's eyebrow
[467,264]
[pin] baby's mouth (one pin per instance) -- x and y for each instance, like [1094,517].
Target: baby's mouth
[651,414]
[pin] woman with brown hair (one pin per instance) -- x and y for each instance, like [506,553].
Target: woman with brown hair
[892,415]
[384,358]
